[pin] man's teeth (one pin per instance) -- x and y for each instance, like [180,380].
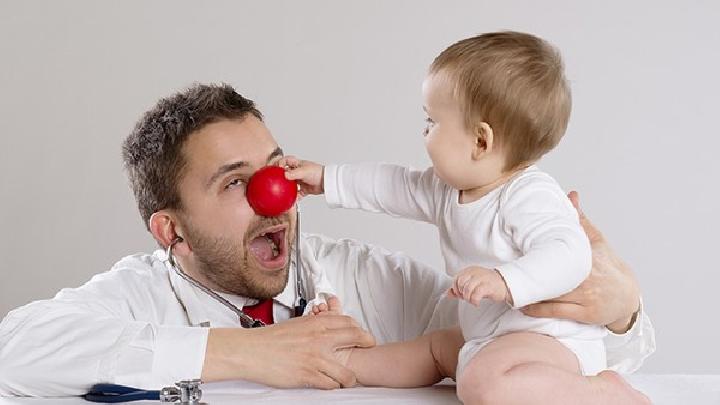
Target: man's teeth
[275,249]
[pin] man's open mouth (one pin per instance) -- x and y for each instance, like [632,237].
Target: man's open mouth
[269,248]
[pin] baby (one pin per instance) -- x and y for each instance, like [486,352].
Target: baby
[495,104]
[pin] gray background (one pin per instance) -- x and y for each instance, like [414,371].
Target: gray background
[340,81]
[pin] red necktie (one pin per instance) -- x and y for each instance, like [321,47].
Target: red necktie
[263,311]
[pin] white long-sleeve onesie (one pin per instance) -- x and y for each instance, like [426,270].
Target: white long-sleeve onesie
[526,229]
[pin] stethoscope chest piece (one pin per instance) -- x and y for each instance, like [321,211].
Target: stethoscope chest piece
[185,392]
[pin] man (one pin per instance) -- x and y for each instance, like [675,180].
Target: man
[141,324]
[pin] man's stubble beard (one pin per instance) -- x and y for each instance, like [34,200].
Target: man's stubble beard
[225,264]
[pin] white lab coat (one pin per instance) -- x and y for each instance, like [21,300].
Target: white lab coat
[140,324]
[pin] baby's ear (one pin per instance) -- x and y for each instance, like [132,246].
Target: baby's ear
[484,137]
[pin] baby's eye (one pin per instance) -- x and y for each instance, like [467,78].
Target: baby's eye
[234,183]
[428,123]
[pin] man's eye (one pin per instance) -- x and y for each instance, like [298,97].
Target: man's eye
[234,183]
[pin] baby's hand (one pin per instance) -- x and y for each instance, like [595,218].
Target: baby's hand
[475,283]
[309,175]
[333,307]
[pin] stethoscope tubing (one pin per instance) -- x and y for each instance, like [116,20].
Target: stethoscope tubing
[113,393]
[245,320]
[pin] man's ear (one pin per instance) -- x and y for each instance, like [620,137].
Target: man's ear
[484,138]
[166,230]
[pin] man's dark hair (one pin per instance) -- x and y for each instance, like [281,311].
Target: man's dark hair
[152,153]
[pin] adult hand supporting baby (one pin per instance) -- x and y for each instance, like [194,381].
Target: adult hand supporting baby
[300,352]
[609,296]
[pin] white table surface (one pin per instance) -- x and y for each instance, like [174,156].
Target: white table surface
[662,389]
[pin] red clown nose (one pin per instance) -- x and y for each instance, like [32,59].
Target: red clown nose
[270,193]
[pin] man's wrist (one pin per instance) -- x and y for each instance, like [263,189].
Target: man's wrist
[219,363]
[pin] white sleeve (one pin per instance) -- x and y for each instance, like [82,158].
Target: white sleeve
[627,352]
[555,252]
[89,335]
[383,188]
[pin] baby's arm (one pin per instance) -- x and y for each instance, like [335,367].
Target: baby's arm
[374,187]
[556,255]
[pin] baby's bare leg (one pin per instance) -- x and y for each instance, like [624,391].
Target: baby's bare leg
[529,368]
[420,362]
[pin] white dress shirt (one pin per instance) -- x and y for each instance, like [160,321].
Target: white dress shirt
[140,324]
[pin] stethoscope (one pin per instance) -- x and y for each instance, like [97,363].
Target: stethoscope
[245,320]
[185,392]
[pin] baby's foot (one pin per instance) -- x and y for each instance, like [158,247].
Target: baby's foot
[333,307]
[319,309]
[624,393]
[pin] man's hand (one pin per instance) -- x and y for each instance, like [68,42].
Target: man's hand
[309,175]
[610,295]
[475,283]
[300,352]
[333,307]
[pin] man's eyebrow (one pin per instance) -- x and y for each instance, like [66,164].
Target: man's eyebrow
[278,152]
[425,109]
[225,169]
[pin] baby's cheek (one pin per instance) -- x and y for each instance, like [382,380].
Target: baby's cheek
[428,145]
[434,152]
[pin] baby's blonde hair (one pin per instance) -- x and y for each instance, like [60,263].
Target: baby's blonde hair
[514,82]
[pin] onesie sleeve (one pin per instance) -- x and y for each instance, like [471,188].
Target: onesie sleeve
[384,188]
[544,227]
